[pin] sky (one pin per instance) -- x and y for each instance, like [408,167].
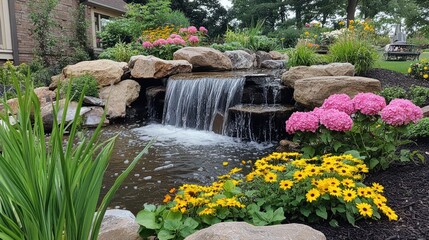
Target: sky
[226,3]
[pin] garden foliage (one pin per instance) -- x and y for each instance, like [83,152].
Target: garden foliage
[419,130]
[303,55]
[51,187]
[365,124]
[417,94]
[280,187]
[85,85]
[420,70]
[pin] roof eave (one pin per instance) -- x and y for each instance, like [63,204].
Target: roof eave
[96,4]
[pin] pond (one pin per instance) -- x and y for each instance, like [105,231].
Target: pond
[178,156]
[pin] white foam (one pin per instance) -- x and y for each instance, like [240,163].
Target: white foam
[166,135]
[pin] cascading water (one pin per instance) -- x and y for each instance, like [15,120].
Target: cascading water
[201,103]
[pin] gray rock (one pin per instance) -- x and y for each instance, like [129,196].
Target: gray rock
[93,101]
[47,113]
[93,117]
[278,56]
[119,224]
[273,64]
[245,231]
[311,92]
[240,59]
[261,56]
[300,72]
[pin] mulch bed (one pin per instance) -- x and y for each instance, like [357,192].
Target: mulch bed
[406,187]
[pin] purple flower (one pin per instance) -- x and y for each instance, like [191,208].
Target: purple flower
[302,121]
[341,102]
[401,112]
[369,103]
[336,120]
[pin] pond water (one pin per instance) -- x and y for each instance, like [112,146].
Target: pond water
[178,156]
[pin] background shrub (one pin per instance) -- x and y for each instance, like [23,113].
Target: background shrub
[420,70]
[227,46]
[357,52]
[391,93]
[288,36]
[417,94]
[121,52]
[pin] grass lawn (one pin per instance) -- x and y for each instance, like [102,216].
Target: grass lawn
[398,66]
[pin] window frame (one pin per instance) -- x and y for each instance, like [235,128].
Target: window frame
[5,28]
[100,12]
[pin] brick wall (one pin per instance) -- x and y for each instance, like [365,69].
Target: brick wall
[64,16]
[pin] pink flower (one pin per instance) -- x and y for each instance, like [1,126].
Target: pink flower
[203,29]
[193,39]
[336,120]
[175,35]
[318,112]
[401,112]
[183,30]
[307,25]
[179,41]
[147,45]
[302,121]
[369,103]
[170,41]
[192,30]
[341,102]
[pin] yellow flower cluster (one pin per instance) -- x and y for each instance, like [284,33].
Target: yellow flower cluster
[366,26]
[163,32]
[334,176]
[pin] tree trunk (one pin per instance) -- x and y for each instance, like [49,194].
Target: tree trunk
[298,17]
[351,10]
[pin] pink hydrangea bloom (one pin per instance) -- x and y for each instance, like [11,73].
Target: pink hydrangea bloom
[336,120]
[302,121]
[179,41]
[401,112]
[369,103]
[203,29]
[183,30]
[170,40]
[193,39]
[160,42]
[175,36]
[192,30]
[318,112]
[341,102]
[147,44]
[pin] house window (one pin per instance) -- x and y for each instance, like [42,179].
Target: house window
[5,35]
[100,21]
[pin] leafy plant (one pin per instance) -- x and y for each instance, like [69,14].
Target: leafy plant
[418,95]
[355,51]
[419,130]
[327,188]
[227,46]
[364,124]
[288,36]
[50,187]
[303,55]
[251,38]
[85,85]
[390,93]
[121,52]
[419,70]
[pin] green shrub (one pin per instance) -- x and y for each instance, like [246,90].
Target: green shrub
[176,18]
[420,70]
[288,37]
[121,52]
[418,95]
[227,46]
[419,129]
[357,52]
[280,186]
[302,55]
[251,38]
[86,85]
[391,93]
[50,188]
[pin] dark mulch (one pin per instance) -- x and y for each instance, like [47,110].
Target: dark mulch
[406,188]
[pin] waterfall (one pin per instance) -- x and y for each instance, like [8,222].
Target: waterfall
[203,102]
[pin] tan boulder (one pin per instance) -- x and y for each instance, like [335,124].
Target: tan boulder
[44,95]
[117,97]
[204,58]
[106,72]
[278,55]
[245,231]
[311,92]
[153,67]
[119,224]
[425,111]
[301,72]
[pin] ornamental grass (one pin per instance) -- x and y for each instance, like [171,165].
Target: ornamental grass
[281,187]
[51,184]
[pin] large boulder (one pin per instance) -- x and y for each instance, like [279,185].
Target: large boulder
[93,117]
[117,97]
[273,64]
[119,224]
[240,59]
[301,72]
[106,72]
[204,58]
[47,113]
[262,56]
[311,92]
[278,55]
[44,95]
[245,231]
[153,67]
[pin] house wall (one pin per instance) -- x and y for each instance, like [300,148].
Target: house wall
[63,15]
